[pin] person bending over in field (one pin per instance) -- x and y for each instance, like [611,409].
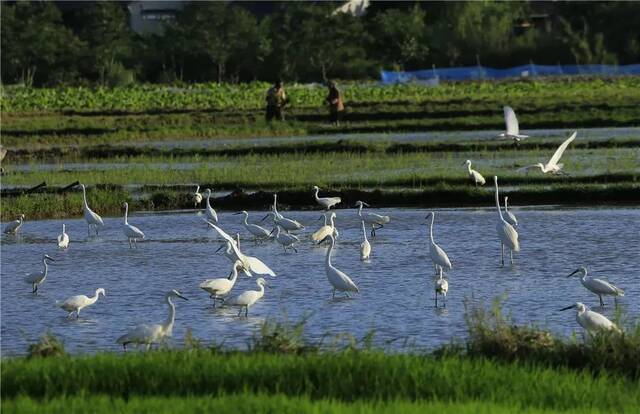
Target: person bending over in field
[336,104]
[276,101]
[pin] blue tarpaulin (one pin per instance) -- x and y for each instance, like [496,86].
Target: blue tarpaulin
[481,72]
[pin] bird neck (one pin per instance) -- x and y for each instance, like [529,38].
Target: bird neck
[126,213]
[261,291]
[333,225]
[469,167]
[84,197]
[94,298]
[168,325]
[46,266]
[64,228]
[506,207]
[364,231]
[316,195]
[197,189]
[498,202]
[431,229]
[360,210]
[246,217]
[208,197]
[328,258]
[234,275]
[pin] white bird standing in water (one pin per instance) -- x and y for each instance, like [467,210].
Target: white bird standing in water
[286,239]
[38,278]
[598,286]
[372,218]
[285,223]
[441,287]
[591,321]
[438,256]
[326,202]
[552,165]
[196,197]
[79,302]
[475,176]
[218,288]
[338,279]
[506,233]
[14,226]
[130,231]
[249,297]
[147,334]
[93,219]
[250,264]
[509,216]
[259,233]
[63,239]
[327,229]
[209,211]
[513,129]
[365,247]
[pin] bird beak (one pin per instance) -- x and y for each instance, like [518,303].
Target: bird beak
[50,258]
[264,218]
[219,248]
[238,213]
[366,204]
[320,218]
[182,297]
[274,229]
[574,272]
[568,307]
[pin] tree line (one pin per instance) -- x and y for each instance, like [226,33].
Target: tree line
[306,41]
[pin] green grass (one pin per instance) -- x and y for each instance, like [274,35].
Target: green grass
[261,403]
[345,376]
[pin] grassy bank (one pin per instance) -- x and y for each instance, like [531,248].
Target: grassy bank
[82,116]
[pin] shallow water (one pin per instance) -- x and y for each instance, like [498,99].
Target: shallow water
[396,286]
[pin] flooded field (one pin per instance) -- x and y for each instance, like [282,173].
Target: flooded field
[396,297]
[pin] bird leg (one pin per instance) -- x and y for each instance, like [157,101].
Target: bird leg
[511,255]
[135,242]
[373,230]
[240,313]
[601,301]
[436,298]
[334,293]
[130,246]
[78,314]
[445,300]
[246,311]
[35,288]
[294,249]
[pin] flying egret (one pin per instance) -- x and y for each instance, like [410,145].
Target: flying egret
[38,278]
[251,264]
[372,218]
[506,233]
[230,254]
[327,229]
[218,288]
[285,223]
[365,247]
[92,219]
[438,256]
[196,197]
[130,231]
[591,321]
[79,302]
[14,226]
[63,239]
[552,165]
[209,211]
[509,216]
[326,202]
[286,239]
[598,286]
[247,298]
[513,130]
[338,279]
[475,176]
[152,334]
[259,233]
[441,287]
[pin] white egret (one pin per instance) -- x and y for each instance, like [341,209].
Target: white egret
[474,175]
[441,287]
[147,334]
[513,130]
[79,302]
[14,226]
[259,233]
[372,218]
[218,288]
[249,297]
[274,208]
[38,278]
[591,321]
[230,253]
[338,279]
[130,231]
[209,211]
[326,230]
[552,165]
[63,239]
[509,216]
[506,233]
[196,197]
[598,286]
[286,239]
[252,264]
[92,219]
[365,247]
[326,202]
[438,256]
[285,223]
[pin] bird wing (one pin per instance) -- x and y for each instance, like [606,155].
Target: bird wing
[511,236]
[142,333]
[225,236]
[33,277]
[602,286]
[511,218]
[511,121]
[526,167]
[377,218]
[215,284]
[596,321]
[478,177]
[74,301]
[95,216]
[365,249]
[257,266]
[556,155]
[136,231]
[322,232]
[345,280]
